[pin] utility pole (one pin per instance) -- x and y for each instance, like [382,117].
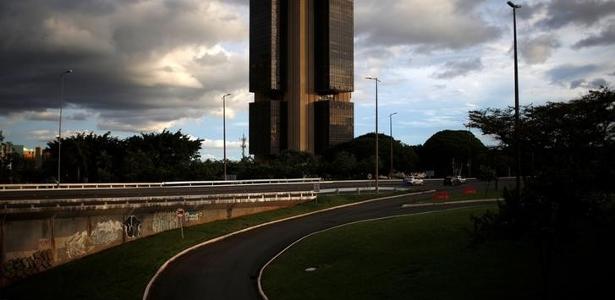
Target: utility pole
[224,130]
[377,175]
[62,76]
[516,134]
[391,132]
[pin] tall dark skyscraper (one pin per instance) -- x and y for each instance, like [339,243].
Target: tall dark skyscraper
[301,74]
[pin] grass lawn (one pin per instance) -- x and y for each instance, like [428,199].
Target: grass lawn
[413,257]
[123,272]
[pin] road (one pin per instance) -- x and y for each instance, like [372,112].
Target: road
[228,269]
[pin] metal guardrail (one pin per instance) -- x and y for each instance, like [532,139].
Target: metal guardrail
[33,206]
[81,186]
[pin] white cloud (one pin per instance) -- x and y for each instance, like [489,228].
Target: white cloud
[219,144]
[538,49]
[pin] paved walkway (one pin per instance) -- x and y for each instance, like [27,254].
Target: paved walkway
[228,269]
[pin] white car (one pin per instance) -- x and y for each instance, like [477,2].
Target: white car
[413,181]
[459,179]
[454,180]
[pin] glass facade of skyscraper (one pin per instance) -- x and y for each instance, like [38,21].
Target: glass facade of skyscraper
[334,123]
[265,50]
[334,46]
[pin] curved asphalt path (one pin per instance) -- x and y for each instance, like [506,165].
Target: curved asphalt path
[228,269]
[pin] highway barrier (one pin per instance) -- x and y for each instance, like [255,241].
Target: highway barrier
[77,186]
[36,235]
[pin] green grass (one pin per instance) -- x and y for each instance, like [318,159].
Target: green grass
[123,272]
[413,257]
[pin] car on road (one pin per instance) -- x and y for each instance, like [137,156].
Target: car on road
[411,180]
[454,180]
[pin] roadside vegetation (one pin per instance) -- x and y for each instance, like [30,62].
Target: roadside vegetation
[124,271]
[566,209]
[174,156]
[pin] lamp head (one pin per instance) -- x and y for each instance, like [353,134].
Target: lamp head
[514,6]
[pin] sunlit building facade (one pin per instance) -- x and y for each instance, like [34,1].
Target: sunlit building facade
[301,74]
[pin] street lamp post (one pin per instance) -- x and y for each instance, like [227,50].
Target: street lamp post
[516,133]
[62,76]
[224,129]
[391,132]
[377,157]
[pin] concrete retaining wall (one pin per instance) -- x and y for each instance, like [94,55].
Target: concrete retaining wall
[34,242]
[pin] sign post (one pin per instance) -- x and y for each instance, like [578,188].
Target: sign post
[180,218]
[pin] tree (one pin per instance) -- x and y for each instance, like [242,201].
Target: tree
[86,157]
[161,156]
[450,151]
[362,149]
[570,196]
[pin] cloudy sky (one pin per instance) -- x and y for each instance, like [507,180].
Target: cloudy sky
[146,65]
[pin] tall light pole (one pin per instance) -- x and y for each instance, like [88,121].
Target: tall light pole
[62,76]
[391,132]
[516,133]
[224,129]
[377,157]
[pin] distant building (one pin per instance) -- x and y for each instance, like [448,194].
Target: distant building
[38,155]
[301,74]
[28,154]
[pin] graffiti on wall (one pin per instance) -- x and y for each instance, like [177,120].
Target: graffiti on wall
[76,244]
[132,227]
[22,267]
[106,233]
[163,222]
[192,216]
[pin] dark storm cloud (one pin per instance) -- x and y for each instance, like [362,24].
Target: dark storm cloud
[606,37]
[582,12]
[576,83]
[430,25]
[137,61]
[570,73]
[453,69]
[594,84]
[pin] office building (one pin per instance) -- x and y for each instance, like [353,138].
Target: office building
[301,74]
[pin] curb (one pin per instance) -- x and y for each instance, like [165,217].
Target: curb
[428,204]
[260,273]
[172,259]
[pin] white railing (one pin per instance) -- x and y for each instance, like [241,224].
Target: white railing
[79,186]
[34,206]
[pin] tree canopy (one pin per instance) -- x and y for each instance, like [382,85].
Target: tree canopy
[450,151]
[88,157]
[358,157]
